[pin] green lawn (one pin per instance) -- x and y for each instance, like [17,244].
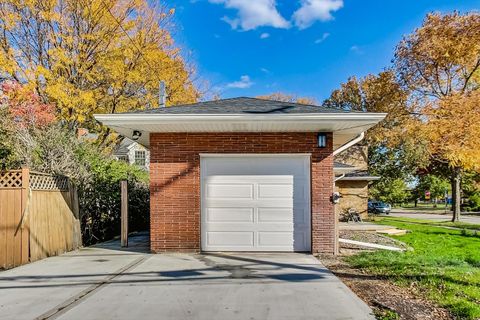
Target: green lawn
[444,265]
[426,207]
[446,223]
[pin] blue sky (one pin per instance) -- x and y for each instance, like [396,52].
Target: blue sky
[302,47]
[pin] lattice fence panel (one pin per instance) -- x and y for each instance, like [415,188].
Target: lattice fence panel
[47,182]
[11,179]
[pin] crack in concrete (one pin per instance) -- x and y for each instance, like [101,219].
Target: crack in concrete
[69,304]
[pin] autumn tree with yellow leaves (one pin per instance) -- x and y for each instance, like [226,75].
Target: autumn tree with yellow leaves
[93,56]
[440,64]
[432,97]
[375,93]
[285,97]
[393,153]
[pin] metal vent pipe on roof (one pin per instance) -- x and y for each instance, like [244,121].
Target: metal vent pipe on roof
[162,94]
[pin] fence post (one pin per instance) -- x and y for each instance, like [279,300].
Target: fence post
[25,232]
[75,207]
[72,188]
[124,215]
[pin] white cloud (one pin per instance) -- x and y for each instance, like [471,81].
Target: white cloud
[322,38]
[264,70]
[356,49]
[243,83]
[264,35]
[313,10]
[253,13]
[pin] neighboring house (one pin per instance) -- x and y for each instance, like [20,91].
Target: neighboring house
[352,180]
[133,153]
[127,150]
[242,174]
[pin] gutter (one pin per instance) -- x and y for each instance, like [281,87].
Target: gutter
[360,178]
[152,118]
[350,143]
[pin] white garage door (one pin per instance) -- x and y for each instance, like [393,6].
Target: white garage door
[255,202]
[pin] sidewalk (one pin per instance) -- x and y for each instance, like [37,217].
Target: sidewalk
[433,216]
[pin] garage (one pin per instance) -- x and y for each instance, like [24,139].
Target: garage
[255,202]
[243,174]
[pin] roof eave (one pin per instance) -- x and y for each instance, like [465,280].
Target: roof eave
[344,170]
[156,118]
[343,125]
[365,178]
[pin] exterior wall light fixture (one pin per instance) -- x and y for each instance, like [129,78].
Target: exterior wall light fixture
[322,140]
[136,135]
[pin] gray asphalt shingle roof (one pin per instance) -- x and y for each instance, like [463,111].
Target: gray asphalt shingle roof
[242,105]
[122,147]
[340,165]
[359,173]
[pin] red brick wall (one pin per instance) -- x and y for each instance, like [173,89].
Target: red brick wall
[175,183]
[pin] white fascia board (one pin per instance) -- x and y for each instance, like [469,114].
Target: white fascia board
[366,178]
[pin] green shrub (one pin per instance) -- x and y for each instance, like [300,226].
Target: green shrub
[100,196]
[56,150]
[475,202]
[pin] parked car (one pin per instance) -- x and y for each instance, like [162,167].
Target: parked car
[378,207]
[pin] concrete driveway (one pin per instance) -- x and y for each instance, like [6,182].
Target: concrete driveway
[107,283]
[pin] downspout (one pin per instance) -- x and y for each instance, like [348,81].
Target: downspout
[341,149]
[350,143]
[339,177]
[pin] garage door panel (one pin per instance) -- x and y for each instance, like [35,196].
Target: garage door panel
[230,238]
[250,226]
[275,191]
[255,203]
[268,166]
[246,203]
[280,177]
[229,191]
[275,239]
[226,214]
[274,214]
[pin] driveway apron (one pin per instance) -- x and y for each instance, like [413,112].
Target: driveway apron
[107,283]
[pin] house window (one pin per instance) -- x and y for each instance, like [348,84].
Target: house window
[140,158]
[123,158]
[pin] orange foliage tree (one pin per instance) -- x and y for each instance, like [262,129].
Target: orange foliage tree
[393,152]
[22,116]
[285,97]
[93,56]
[440,64]
[25,108]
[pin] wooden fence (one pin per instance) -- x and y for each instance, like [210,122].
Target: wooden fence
[38,217]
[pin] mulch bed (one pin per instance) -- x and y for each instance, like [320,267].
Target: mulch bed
[387,300]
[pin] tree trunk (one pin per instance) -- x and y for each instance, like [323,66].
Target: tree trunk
[456,194]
